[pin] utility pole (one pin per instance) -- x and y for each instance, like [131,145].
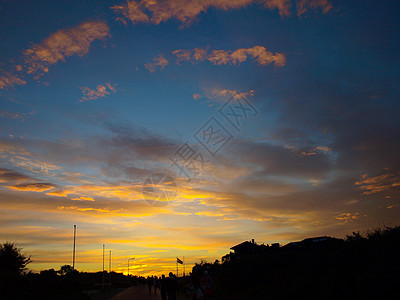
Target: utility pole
[109,272]
[73,251]
[103,267]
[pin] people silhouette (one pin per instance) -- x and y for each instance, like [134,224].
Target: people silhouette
[163,287]
[149,283]
[207,285]
[172,286]
[155,284]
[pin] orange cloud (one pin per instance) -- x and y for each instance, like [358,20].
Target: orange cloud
[63,43]
[260,54]
[196,96]
[283,6]
[223,57]
[59,193]
[15,116]
[314,151]
[324,148]
[219,95]
[8,80]
[304,5]
[347,217]
[234,93]
[90,209]
[99,91]
[32,187]
[82,198]
[129,192]
[381,183]
[200,54]
[87,192]
[159,62]
[182,55]
[186,11]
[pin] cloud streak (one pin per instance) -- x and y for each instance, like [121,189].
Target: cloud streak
[7,175]
[32,187]
[102,90]
[62,44]
[8,80]
[260,54]
[15,116]
[159,63]
[305,5]
[388,182]
[187,11]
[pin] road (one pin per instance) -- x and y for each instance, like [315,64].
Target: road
[140,293]
[137,293]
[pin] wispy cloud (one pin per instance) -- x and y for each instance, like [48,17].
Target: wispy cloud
[347,217]
[14,153]
[83,198]
[196,96]
[62,44]
[305,5]
[219,95]
[232,93]
[315,150]
[102,90]
[32,187]
[159,63]
[15,116]
[8,80]
[187,11]
[7,175]
[32,164]
[260,54]
[59,193]
[388,182]
[283,6]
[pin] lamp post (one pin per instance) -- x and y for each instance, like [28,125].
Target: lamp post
[109,271]
[128,264]
[73,251]
[103,267]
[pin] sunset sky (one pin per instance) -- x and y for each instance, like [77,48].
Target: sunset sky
[96,96]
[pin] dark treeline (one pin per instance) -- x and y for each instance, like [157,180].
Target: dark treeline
[362,266]
[66,283]
[50,284]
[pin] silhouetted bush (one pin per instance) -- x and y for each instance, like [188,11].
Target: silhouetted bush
[12,262]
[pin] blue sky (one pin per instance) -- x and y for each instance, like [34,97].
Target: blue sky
[98,95]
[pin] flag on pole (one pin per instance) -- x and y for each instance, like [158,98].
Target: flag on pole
[178,261]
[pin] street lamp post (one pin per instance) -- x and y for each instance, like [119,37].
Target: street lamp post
[73,252]
[103,267]
[128,264]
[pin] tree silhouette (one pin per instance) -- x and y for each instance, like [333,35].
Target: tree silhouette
[65,270]
[12,261]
